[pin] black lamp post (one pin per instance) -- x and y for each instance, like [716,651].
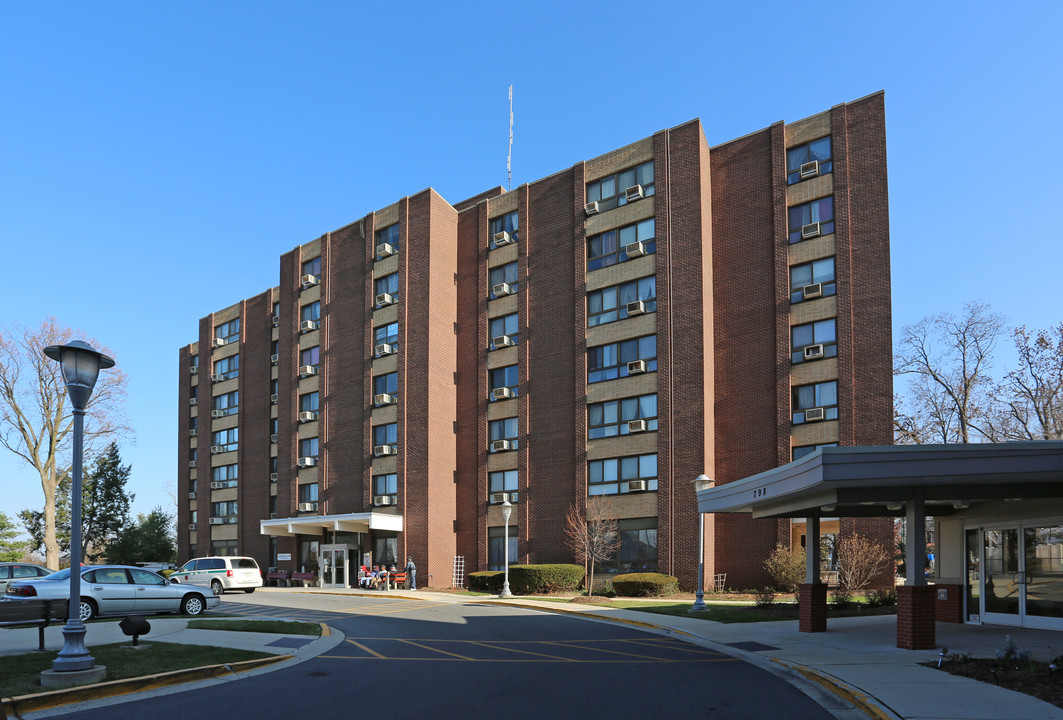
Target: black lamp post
[701,482]
[81,367]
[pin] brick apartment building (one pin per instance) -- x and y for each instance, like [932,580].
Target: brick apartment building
[613,330]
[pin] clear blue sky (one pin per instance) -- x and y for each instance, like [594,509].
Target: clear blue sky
[157,158]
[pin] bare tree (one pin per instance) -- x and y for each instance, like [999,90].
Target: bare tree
[860,559]
[35,416]
[591,535]
[1030,398]
[948,359]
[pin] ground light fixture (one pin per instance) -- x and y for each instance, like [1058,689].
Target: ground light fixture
[701,482]
[507,510]
[81,366]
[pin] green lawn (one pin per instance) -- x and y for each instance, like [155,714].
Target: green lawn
[286,627]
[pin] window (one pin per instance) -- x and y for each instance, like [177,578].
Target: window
[609,192]
[193,361]
[504,377]
[609,419]
[818,272]
[273,467]
[310,356]
[388,284]
[310,311]
[802,216]
[386,334]
[496,540]
[608,362]
[308,447]
[611,304]
[227,367]
[815,151]
[274,386]
[506,223]
[312,267]
[805,339]
[309,402]
[387,384]
[274,347]
[276,310]
[193,391]
[502,430]
[609,477]
[225,510]
[385,550]
[638,548]
[502,274]
[387,484]
[610,247]
[274,426]
[228,331]
[388,235]
[803,450]
[822,395]
[386,434]
[499,327]
[308,493]
[227,439]
[226,474]
[504,481]
[228,403]
[193,422]
[192,454]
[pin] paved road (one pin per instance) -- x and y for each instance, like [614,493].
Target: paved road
[411,658]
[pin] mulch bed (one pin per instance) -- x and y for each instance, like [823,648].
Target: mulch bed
[1031,678]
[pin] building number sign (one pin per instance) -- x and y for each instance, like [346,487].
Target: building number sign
[760,492]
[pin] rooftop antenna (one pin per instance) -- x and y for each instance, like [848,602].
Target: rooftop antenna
[509,157]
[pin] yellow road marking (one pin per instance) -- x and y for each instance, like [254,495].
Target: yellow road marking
[517,650]
[614,652]
[366,649]
[426,647]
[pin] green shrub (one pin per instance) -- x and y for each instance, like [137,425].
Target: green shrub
[486,581]
[882,598]
[645,585]
[540,579]
[765,597]
[604,589]
[786,566]
[841,598]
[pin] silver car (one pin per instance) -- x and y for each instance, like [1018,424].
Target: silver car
[117,590]
[10,571]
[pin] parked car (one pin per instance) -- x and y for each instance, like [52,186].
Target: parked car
[116,590]
[20,571]
[220,573]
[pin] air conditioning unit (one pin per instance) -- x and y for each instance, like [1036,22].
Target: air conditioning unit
[307,416]
[813,414]
[636,366]
[191,526]
[274,398]
[274,359]
[219,342]
[217,413]
[306,370]
[635,486]
[191,496]
[499,445]
[812,291]
[809,169]
[636,426]
[809,231]
[217,377]
[308,325]
[273,516]
[813,352]
[384,250]
[192,432]
[273,438]
[217,485]
[501,393]
[382,450]
[192,464]
[383,500]
[275,320]
[635,249]
[193,401]
[591,208]
[217,449]
[636,308]
[307,507]
[501,289]
[499,498]
[305,462]
[273,477]
[193,369]
[633,193]
[384,299]
[309,280]
[502,341]
[216,521]
[502,238]
[383,399]
[383,349]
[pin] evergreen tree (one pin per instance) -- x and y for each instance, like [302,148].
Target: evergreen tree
[105,504]
[11,548]
[150,539]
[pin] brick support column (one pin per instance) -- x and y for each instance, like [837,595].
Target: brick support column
[812,607]
[915,617]
[950,607]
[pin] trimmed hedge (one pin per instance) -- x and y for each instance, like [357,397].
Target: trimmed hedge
[645,585]
[487,581]
[539,579]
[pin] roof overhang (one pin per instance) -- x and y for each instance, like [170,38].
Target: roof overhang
[314,524]
[878,481]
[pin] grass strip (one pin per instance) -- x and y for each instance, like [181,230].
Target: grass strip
[279,627]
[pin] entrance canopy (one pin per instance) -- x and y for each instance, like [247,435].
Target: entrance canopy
[879,481]
[314,524]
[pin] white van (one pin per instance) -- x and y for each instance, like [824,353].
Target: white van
[220,574]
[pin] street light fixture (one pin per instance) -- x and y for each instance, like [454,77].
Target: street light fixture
[507,510]
[701,482]
[81,367]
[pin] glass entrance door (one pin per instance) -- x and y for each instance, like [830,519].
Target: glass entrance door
[1002,596]
[334,566]
[1023,571]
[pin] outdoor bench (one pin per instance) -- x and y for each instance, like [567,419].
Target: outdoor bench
[395,580]
[33,612]
[307,578]
[278,576]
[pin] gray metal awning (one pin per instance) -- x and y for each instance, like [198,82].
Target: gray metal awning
[314,524]
[880,480]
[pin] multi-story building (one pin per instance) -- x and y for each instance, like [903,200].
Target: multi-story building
[610,331]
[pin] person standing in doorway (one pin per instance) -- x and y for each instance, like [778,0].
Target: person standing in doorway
[411,573]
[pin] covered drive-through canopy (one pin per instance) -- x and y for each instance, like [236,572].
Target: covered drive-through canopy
[314,524]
